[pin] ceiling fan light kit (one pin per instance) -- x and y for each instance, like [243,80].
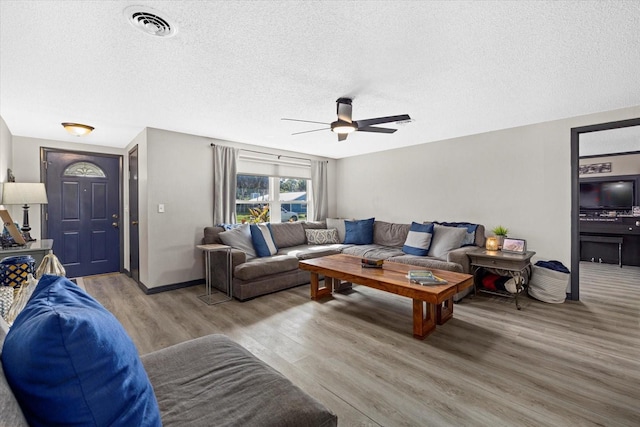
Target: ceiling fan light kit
[345,125]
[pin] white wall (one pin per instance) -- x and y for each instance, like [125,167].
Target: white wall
[624,164]
[177,171]
[26,168]
[519,178]
[6,144]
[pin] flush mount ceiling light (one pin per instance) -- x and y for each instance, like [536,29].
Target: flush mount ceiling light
[77,129]
[149,21]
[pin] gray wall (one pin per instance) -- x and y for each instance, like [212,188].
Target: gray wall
[176,170]
[5,152]
[519,178]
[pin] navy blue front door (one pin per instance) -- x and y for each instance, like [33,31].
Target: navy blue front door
[84,211]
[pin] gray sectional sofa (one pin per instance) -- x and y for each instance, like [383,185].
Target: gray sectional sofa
[207,381]
[252,277]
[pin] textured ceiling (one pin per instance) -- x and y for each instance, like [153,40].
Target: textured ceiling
[235,68]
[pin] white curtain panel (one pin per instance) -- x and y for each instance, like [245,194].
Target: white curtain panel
[320,199]
[225,161]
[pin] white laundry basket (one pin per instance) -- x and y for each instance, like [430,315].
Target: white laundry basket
[549,285]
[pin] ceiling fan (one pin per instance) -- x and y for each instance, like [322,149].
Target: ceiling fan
[344,125]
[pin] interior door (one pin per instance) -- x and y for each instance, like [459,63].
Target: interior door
[83,214]
[134,231]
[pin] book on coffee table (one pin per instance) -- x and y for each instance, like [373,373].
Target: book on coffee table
[372,263]
[424,277]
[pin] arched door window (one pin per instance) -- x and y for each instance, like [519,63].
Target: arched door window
[84,169]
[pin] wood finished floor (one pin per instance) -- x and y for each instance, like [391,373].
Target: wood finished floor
[570,364]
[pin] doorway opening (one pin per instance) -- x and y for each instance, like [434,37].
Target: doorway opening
[575,194]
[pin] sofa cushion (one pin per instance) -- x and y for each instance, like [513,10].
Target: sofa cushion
[214,381]
[70,362]
[258,267]
[288,234]
[418,239]
[307,225]
[428,262]
[359,232]
[262,240]
[312,251]
[390,234]
[322,237]
[239,238]
[372,251]
[338,224]
[212,235]
[446,239]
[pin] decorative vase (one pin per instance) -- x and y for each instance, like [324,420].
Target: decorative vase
[500,241]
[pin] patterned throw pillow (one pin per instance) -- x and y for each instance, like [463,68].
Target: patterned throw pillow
[322,237]
[419,239]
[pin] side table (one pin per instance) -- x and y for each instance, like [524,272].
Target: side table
[37,249]
[504,264]
[208,249]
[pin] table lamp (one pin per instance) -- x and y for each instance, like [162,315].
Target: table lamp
[24,193]
[492,244]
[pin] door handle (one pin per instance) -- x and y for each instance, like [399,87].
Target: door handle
[115,224]
[134,222]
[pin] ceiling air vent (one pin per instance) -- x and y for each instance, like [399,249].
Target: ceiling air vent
[149,21]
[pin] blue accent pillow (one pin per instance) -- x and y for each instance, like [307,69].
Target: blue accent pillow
[419,239]
[359,232]
[470,238]
[70,362]
[263,240]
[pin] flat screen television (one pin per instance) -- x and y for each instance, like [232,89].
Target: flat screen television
[607,195]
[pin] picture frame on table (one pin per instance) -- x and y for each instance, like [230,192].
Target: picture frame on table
[514,246]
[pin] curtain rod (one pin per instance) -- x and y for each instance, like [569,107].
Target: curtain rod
[270,154]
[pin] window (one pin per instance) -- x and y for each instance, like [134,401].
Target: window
[84,169]
[285,198]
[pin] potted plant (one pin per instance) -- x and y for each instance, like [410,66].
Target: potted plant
[501,233]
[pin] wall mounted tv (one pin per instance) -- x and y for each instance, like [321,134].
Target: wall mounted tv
[607,195]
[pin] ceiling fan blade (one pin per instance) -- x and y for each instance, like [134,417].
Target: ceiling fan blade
[342,136]
[380,120]
[307,131]
[374,129]
[344,109]
[305,121]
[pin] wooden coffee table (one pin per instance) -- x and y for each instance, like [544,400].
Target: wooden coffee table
[431,304]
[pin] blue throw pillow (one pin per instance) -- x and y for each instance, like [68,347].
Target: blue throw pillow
[70,362]
[470,238]
[419,239]
[263,240]
[359,232]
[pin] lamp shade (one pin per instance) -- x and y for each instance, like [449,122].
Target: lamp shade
[24,193]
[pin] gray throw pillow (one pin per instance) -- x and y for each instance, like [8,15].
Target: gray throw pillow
[239,238]
[446,239]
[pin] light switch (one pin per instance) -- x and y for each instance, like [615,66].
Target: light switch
[161,208]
